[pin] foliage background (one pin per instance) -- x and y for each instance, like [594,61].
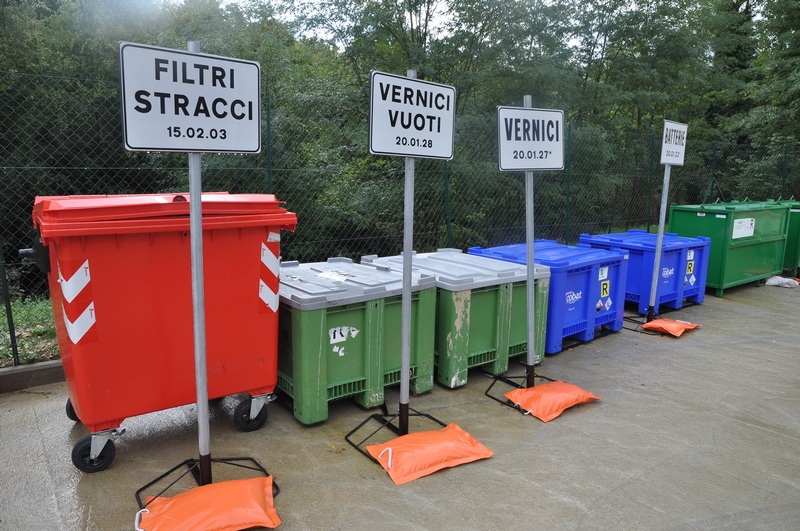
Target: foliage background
[730,69]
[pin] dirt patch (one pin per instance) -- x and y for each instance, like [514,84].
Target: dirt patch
[34,345]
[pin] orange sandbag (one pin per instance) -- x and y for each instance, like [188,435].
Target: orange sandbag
[547,401]
[668,326]
[225,506]
[415,455]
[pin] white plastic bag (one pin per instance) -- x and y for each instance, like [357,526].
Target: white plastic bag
[782,282]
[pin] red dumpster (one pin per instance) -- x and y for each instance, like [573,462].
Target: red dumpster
[120,285]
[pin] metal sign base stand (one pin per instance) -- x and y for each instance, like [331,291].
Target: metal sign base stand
[386,420]
[517,382]
[642,319]
[193,467]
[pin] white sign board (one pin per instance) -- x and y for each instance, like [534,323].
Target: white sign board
[410,118]
[174,100]
[673,143]
[530,139]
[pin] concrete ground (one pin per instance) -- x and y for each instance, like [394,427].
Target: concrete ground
[696,433]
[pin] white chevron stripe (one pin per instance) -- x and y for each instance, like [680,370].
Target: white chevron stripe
[269,297]
[274,237]
[82,324]
[272,262]
[71,288]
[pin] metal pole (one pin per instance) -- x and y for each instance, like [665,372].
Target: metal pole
[713,172]
[528,103]
[659,242]
[269,143]
[408,249]
[650,183]
[198,305]
[12,333]
[569,165]
[447,205]
[785,169]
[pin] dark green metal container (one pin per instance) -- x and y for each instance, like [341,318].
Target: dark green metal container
[791,257]
[748,239]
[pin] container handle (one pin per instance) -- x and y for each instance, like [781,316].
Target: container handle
[138,518]
[39,253]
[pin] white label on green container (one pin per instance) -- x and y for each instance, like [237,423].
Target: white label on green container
[701,214]
[341,333]
[743,228]
[721,216]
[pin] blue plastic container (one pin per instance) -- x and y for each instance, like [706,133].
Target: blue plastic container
[587,287]
[684,266]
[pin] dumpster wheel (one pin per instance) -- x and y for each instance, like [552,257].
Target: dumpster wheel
[82,455]
[71,415]
[241,416]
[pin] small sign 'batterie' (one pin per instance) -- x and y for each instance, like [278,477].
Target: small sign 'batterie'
[673,143]
[175,100]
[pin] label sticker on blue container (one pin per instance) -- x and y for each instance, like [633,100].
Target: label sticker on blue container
[605,288]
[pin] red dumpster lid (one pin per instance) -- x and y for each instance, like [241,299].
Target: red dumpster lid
[117,214]
[108,207]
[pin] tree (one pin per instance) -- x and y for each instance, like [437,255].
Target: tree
[496,51]
[730,34]
[373,34]
[774,92]
[640,63]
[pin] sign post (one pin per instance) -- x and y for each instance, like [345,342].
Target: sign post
[673,151]
[410,118]
[187,102]
[530,139]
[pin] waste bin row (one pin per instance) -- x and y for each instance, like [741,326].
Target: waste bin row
[469,310]
[340,325]
[119,273]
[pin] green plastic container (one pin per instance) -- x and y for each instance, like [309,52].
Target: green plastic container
[481,311]
[791,257]
[748,239]
[340,334]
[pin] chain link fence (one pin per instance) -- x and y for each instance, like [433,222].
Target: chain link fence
[62,136]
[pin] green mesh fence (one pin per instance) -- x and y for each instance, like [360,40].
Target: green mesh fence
[64,137]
